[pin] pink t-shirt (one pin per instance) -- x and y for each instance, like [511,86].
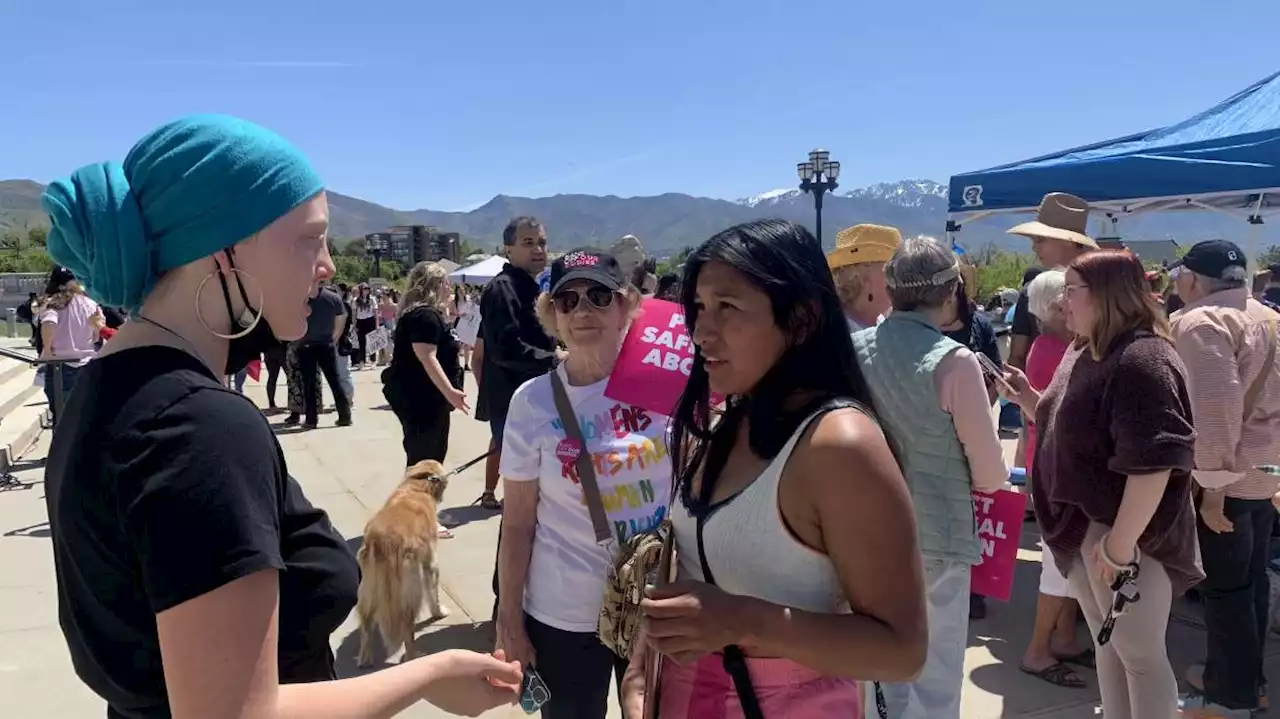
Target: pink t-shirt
[1042,361]
[74,337]
[963,394]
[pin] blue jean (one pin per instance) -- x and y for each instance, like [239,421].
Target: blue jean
[1237,598]
[936,694]
[344,374]
[69,372]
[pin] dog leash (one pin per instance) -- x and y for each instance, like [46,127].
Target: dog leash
[467,465]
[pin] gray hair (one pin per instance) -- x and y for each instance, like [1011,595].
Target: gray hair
[1044,292]
[922,274]
[1233,278]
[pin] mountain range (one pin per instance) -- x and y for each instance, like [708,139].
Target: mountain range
[666,223]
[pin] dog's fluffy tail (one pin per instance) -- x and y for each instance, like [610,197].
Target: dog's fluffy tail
[391,591]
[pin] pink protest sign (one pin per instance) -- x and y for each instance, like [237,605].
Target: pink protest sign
[999,520]
[656,358]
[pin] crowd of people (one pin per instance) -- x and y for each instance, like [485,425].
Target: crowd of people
[816,475]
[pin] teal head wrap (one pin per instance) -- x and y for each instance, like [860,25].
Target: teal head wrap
[185,191]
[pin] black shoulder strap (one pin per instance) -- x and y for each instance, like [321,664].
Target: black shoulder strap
[735,662]
[586,470]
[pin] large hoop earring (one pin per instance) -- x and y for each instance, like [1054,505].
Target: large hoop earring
[247,318]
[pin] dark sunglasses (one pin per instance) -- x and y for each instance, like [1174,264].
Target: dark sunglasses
[597,296]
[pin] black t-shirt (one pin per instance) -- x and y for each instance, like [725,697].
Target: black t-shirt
[163,485]
[325,309]
[1024,323]
[409,387]
[978,335]
[516,348]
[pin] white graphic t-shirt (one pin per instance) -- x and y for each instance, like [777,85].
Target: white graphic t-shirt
[628,447]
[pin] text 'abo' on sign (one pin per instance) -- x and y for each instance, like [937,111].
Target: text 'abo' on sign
[678,352]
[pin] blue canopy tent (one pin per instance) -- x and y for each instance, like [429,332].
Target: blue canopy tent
[1224,159]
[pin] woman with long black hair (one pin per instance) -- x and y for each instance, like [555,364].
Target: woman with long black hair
[791,510]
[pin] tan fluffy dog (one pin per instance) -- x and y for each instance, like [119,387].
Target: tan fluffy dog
[398,562]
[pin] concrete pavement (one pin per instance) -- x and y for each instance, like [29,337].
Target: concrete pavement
[349,472]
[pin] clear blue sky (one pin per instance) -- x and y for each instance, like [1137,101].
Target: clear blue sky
[445,104]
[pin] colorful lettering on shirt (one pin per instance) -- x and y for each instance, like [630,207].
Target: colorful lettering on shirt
[632,527]
[619,421]
[638,455]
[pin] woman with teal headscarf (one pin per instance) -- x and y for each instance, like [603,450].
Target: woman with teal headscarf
[194,578]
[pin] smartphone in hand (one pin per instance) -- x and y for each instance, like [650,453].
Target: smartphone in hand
[993,373]
[533,691]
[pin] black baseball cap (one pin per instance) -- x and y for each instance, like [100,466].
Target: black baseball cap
[58,277]
[587,263]
[1212,257]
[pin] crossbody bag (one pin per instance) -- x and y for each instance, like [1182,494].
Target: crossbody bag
[636,559]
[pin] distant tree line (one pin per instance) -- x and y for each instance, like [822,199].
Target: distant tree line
[24,250]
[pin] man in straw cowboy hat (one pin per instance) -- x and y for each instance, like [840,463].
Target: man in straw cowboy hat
[857,268]
[1057,237]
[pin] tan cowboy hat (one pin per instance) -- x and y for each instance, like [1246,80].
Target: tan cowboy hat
[861,244]
[1060,217]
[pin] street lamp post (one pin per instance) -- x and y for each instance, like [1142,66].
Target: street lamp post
[817,177]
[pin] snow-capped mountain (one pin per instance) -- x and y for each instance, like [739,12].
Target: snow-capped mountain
[772,197]
[904,193]
[923,194]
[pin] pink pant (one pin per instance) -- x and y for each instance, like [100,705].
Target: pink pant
[785,689]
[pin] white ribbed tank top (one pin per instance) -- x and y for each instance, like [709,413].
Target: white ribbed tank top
[751,551]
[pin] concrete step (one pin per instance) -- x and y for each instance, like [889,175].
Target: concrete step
[22,408]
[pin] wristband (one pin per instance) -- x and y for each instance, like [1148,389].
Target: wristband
[1106,556]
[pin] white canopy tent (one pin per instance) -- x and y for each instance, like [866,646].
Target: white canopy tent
[479,273]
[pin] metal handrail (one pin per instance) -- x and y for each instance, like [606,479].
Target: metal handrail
[59,395]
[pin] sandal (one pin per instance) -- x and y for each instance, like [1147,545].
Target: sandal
[444,533]
[1058,674]
[489,501]
[1087,659]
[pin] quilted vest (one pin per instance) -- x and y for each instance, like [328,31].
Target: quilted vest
[899,358]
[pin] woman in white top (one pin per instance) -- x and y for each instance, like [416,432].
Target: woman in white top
[790,510]
[365,309]
[70,324]
[551,567]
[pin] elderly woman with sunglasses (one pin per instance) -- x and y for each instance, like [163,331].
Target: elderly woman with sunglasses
[549,554]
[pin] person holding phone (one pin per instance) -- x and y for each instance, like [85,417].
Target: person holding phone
[552,568]
[1114,452]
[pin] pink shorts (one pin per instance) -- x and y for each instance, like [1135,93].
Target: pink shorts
[785,689]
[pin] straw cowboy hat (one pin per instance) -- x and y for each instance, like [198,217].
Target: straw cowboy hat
[861,244]
[1060,217]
